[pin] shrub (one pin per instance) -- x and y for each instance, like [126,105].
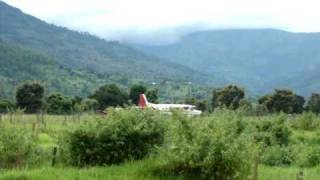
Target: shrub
[5,105]
[16,147]
[306,121]
[277,156]
[306,156]
[58,104]
[210,148]
[272,131]
[123,135]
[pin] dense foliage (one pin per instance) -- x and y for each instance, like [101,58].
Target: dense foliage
[58,104]
[17,147]
[110,95]
[152,95]
[228,97]
[209,148]
[30,97]
[123,135]
[314,103]
[283,101]
[5,105]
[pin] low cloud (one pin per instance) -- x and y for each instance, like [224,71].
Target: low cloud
[159,21]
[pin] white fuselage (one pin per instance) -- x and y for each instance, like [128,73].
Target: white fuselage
[167,108]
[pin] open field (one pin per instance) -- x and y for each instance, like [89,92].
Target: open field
[46,129]
[141,170]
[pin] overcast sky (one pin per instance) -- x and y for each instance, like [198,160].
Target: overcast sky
[156,19]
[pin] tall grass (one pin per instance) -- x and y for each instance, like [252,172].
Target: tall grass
[290,142]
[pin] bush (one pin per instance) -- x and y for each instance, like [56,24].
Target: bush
[307,121]
[277,156]
[123,135]
[273,131]
[17,147]
[306,156]
[210,148]
[5,106]
[58,104]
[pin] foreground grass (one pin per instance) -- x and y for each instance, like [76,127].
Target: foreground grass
[132,170]
[287,173]
[140,170]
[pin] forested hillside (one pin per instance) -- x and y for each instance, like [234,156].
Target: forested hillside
[83,51]
[260,59]
[18,64]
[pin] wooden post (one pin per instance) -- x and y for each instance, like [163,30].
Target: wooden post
[11,120]
[255,168]
[34,128]
[65,120]
[54,153]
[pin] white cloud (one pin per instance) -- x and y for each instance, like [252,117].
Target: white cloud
[121,19]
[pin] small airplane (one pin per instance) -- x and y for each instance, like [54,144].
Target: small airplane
[166,108]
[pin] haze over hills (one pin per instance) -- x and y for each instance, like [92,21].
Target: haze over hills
[258,59]
[87,54]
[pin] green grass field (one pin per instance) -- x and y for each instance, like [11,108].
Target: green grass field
[140,170]
[47,128]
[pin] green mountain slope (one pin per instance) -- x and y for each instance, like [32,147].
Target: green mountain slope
[83,51]
[18,64]
[260,59]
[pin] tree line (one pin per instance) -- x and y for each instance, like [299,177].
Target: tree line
[281,100]
[31,98]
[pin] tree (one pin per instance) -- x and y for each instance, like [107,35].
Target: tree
[152,96]
[135,92]
[29,96]
[90,104]
[202,105]
[76,100]
[245,104]
[313,104]
[229,97]
[109,95]
[283,101]
[298,104]
[58,104]
[5,105]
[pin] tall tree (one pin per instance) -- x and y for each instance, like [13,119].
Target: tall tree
[314,103]
[5,105]
[229,97]
[283,101]
[29,96]
[135,92]
[58,104]
[152,95]
[110,95]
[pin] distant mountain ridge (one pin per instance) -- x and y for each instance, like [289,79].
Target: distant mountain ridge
[88,54]
[258,59]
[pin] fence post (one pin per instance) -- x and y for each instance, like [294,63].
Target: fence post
[54,153]
[34,128]
[255,168]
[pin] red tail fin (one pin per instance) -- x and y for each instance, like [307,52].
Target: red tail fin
[143,102]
